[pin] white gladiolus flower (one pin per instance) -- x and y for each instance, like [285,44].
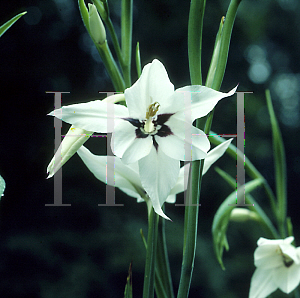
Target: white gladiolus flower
[278,266]
[155,129]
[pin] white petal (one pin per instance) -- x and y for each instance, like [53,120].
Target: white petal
[186,143]
[153,85]
[203,99]
[158,174]
[287,279]
[263,241]
[268,256]
[125,177]
[96,116]
[262,284]
[214,154]
[127,146]
[72,141]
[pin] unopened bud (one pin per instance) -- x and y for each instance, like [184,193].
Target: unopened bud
[242,214]
[96,26]
[73,140]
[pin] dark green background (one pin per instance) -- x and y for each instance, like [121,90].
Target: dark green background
[85,250]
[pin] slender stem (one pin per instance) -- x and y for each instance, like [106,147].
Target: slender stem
[111,66]
[190,228]
[114,39]
[163,272]
[225,41]
[197,8]
[193,191]
[126,37]
[148,291]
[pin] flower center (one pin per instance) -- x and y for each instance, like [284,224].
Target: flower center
[287,261]
[149,126]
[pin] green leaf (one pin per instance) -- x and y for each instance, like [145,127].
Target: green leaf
[2,186]
[280,167]
[128,287]
[221,219]
[84,14]
[9,23]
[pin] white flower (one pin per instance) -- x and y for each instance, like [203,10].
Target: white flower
[126,177]
[278,266]
[154,129]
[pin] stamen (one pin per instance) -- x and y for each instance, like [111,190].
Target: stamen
[152,110]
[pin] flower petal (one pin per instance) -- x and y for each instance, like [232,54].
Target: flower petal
[153,85]
[96,116]
[203,100]
[214,154]
[186,143]
[72,141]
[268,256]
[263,241]
[127,146]
[262,283]
[125,177]
[287,279]
[158,174]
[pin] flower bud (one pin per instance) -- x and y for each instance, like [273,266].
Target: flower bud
[73,140]
[242,214]
[96,26]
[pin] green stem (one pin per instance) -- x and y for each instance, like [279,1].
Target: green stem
[163,272]
[225,41]
[195,26]
[197,8]
[126,37]
[148,290]
[111,66]
[190,227]
[114,39]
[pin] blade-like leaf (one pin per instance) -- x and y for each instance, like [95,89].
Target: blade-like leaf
[9,23]
[221,219]
[280,166]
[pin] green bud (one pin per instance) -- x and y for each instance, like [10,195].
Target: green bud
[96,26]
[242,214]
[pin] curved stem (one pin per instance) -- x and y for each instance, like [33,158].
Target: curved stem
[148,290]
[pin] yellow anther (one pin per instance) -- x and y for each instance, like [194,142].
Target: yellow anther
[152,110]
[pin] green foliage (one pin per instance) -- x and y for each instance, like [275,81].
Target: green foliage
[9,23]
